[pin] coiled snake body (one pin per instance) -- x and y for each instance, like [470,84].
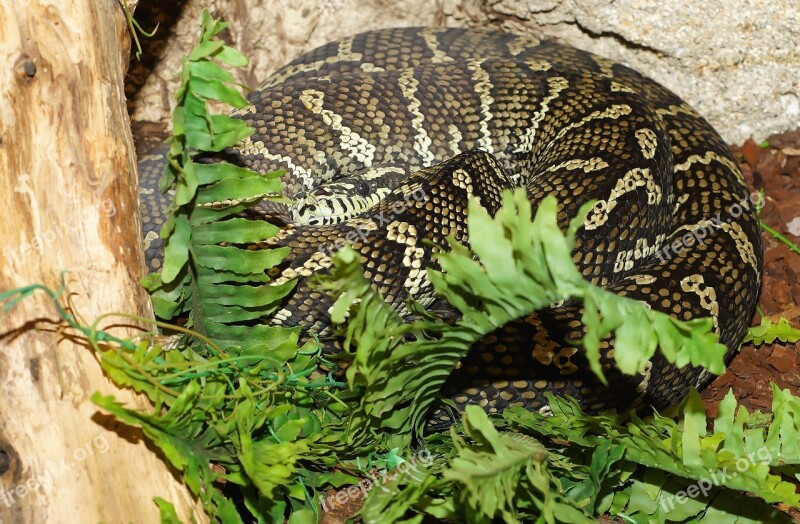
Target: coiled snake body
[391,130]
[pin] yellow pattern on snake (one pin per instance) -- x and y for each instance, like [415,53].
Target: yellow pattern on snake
[386,134]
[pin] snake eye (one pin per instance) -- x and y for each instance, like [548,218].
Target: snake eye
[361,188]
[301,195]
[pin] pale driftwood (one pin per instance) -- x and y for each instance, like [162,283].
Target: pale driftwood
[68,202]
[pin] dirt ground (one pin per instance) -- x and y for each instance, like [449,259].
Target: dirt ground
[775,169]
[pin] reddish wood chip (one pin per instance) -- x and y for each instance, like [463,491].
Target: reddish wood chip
[778,252]
[787,139]
[782,359]
[751,152]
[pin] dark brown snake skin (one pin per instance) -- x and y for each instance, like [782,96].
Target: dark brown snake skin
[425,117]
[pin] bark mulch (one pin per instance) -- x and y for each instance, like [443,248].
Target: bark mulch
[775,169]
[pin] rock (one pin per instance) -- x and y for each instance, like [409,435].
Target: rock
[271,34]
[737,62]
[793,227]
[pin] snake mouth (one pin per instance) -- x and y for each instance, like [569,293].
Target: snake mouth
[313,211]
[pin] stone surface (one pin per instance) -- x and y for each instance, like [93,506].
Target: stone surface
[271,33]
[737,62]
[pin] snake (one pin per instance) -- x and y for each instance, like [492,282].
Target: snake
[384,137]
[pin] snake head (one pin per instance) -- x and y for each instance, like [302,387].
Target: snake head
[345,198]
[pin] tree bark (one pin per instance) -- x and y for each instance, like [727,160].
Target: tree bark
[69,202]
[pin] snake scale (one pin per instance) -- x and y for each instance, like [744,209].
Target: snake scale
[384,135]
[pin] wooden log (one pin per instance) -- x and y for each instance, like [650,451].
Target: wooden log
[68,202]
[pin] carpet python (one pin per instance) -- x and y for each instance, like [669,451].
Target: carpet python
[385,135]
